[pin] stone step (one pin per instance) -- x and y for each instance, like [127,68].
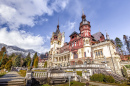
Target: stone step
[13,83]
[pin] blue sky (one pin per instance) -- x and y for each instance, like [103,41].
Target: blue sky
[29,24]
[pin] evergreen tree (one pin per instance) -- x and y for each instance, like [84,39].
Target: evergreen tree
[3,49]
[36,62]
[127,42]
[17,61]
[35,55]
[11,56]
[8,65]
[28,60]
[119,44]
[24,62]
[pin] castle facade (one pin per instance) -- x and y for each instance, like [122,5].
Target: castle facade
[83,48]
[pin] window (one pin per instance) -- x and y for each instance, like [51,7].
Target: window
[86,41]
[75,56]
[101,53]
[84,54]
[75,43]
[72,44]
[96,54]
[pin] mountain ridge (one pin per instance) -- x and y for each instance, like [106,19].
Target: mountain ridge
[18,50]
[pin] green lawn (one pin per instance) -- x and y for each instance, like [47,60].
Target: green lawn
[22,73]
[72,83]
[122,84]
[40,70]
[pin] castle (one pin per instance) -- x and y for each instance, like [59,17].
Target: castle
[83,48]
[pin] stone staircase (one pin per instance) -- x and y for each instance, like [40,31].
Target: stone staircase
[117,77]
[82,79]
[12,78]
[13,83]
[58,80]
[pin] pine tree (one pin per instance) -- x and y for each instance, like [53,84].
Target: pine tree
[127,42]
[28,60]
[35,55]
[17,61]
[3,49]
[36,62]
[8,65]
[119,44]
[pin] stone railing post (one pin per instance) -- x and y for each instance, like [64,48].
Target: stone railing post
[28,77]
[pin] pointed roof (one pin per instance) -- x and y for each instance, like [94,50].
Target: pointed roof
[74,33]
[97,36]
[57,30]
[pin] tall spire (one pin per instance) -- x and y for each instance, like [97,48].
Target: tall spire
[83,15]
[107,36]
[58,23]
[57,30]
[82,11]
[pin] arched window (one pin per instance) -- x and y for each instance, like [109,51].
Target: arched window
[86,41]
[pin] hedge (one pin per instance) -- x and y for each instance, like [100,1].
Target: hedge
[79,73]
[102,78]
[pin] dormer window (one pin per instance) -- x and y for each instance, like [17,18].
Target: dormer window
[72,37]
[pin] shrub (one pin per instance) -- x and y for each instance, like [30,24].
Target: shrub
[102,78]
[8,65]
[45,64]
[127,66]
[97,77]
[109,79]
[79,73]
[124,72]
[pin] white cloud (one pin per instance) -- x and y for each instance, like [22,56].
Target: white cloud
[23,12]
[15,13]
[48,37]
[69,25]
[23,40]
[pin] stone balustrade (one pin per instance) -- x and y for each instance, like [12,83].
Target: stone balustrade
[87,66]
[39,74]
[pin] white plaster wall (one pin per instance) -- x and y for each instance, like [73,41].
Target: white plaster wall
[71,55]
[105,48]
[106,51]
[52,45]
[63,39]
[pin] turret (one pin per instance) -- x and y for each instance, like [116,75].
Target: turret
[107,36]
[85,27]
